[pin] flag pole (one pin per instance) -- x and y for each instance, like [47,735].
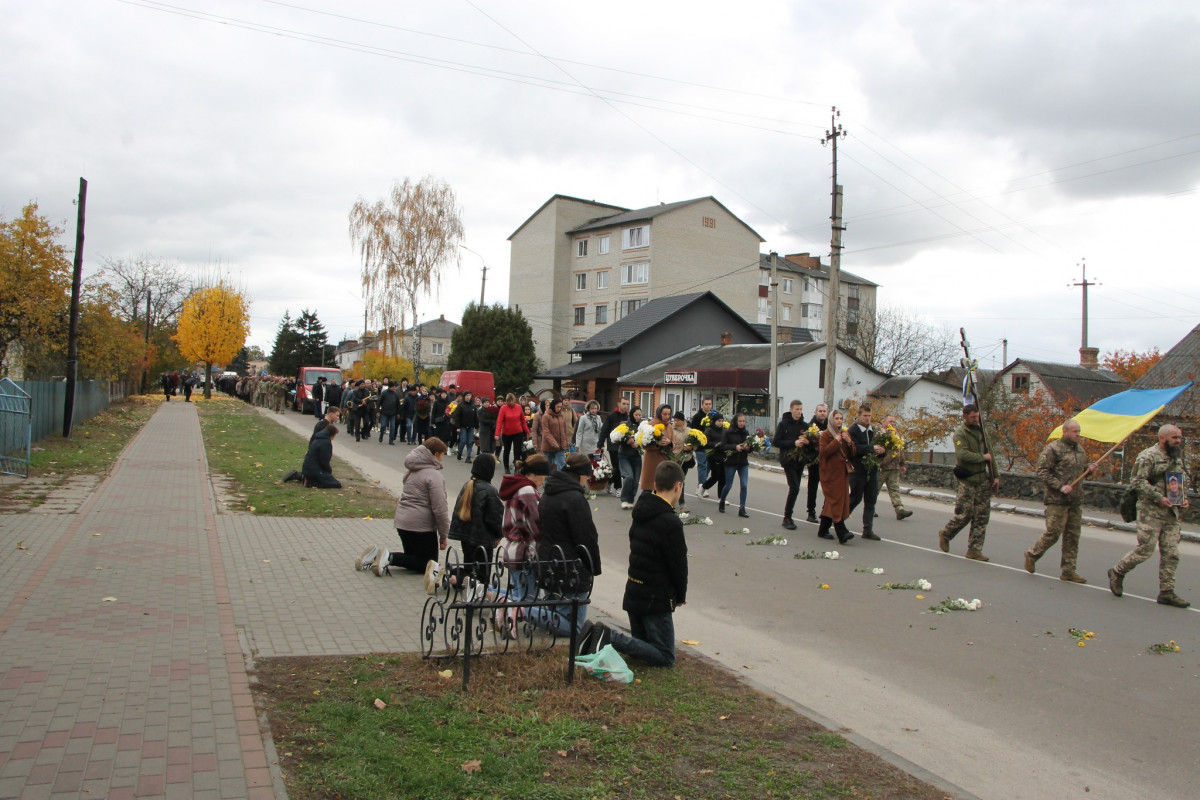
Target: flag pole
[1111,450]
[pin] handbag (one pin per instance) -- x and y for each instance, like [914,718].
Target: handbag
[606,664]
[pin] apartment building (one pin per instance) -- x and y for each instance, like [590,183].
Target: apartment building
[803,288]
[577,266]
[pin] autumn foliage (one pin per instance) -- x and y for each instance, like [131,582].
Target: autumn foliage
[1130,364]
[213,327]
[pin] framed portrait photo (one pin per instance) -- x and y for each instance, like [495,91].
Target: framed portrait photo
[1175,490]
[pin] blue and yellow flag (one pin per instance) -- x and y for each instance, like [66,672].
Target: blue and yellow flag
[1117,416]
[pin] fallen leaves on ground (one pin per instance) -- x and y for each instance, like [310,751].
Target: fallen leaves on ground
[472,766]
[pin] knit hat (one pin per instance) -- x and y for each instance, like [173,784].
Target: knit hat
[484,467]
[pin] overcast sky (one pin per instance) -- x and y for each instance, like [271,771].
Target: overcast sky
[991,147]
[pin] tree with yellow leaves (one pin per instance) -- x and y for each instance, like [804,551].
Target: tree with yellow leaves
[35,279]
[213,327]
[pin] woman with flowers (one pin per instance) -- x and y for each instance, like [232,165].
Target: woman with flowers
[737,450]
[716,456]
[657,444]
[628,458]
[836,449]
[511,428]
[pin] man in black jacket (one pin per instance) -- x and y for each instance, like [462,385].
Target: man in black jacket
[316,470]
[567,532]
[698,424]
[333,396]
[821,420]
[318,397]
[610,423]
[389,408]
[658,575]
[788,438]
[864,481]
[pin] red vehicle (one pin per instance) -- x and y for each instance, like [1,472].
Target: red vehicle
[304,383]
[480,384]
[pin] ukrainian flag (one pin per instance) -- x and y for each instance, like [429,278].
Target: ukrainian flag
[1114,418]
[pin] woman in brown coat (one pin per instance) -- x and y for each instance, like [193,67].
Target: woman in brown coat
[553,435]
[835,449]
[656,453]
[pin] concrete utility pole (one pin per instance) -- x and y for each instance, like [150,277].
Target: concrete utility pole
[1088,356]
[146,356]
[773,306]
[73,324]
[835,264]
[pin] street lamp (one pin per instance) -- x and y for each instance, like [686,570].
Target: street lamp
[483,283]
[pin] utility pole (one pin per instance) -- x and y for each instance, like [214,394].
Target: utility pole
[772,306]
[1004,361]
[483,285]
[1088,356]
[832,135]
[73,325]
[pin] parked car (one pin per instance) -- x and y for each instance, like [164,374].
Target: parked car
[481,384]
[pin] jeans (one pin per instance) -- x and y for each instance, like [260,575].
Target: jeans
[466,438]
[864,488]
[792,471]
[701,466]
[387,425]
[522,584]
[318,409]
[743,473]
[631,476]
[408,430]
[556,457]
[653,639]
[557,619]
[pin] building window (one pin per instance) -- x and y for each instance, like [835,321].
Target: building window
[787,285]
[601,315]
[635,237]
[763,308]
[821,375]
[630,306]
[581,247]
[647,404]
[602,280]
[437,348]
[635,273]
[804,285]
[785,313]
[852,297]
[764,277]
[1020,383]
[674,400]
[602,245]
[580,281]
[852,323]
[580,314]
[627,394]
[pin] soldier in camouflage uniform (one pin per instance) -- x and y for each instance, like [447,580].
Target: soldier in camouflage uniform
[1062,462]
[891,469]
[974,501]
[1157,519]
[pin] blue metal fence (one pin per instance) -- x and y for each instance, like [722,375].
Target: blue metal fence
[48,397]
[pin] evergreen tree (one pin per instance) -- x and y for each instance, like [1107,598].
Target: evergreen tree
[285,357]
[312,339]
[498,340]
[241,362]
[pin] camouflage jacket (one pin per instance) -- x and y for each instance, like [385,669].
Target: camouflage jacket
[1149,481]
[968,454]
[1061,462]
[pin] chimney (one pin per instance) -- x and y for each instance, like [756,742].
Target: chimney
[441,317]
[726,338]
[1089,357]
[785,336]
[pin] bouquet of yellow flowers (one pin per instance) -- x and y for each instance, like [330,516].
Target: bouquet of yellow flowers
[696,439]
[891,441]
[620,434]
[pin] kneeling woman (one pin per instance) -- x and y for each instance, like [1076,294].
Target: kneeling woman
[422,516]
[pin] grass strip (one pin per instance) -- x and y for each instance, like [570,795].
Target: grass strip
[94,444]
[522,732]
[254,454]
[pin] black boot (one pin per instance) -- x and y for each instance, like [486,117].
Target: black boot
[721,506]
[788,524]
[823,531]
[742,512]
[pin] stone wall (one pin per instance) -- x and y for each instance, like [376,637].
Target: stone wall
[1023,486]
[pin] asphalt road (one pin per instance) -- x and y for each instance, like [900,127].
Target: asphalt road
[1001,702]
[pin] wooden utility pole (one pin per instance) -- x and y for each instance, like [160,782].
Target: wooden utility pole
[73,325]
[773,307]
[832,135]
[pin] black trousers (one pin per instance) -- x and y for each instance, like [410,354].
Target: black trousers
[793,471]
[420,547]
[814,480]
[513,441]
[864,488]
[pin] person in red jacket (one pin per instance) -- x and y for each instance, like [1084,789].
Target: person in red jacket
[511,428]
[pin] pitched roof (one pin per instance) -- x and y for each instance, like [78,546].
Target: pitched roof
[895,386]
[1072,380]
[727,357]
[441,328]
[575,369]
[798,334]
[1178,365]
[561,197]
[650,212]
[648,316]
[764,262]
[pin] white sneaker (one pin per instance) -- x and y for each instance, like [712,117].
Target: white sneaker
[626,505]
[380,567]
[367,559]
[432,571]
[699,491]
[705,494]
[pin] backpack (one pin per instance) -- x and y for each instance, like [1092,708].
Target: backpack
[1128,505]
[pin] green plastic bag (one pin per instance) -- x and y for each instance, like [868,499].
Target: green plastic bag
[607,665]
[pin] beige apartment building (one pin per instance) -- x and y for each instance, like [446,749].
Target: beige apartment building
[578,266]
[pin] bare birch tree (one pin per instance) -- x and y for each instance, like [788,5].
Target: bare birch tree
[896,341]
[405,241]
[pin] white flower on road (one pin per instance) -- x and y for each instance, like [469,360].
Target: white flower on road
[877,571]
[924,584]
